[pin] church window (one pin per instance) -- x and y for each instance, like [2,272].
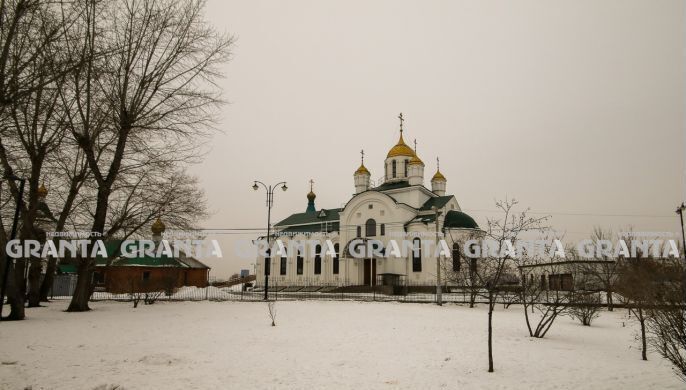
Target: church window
[284,261]
[359,231]
[382,229]
[405,164]
[336,262]
[299,263]
[318,260]
[371,206]
[393,168]
[417,255]
[456,257]
[370,226]
[267,262]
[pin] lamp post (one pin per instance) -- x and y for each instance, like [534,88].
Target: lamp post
[13,235]
[439,293]
[270,202]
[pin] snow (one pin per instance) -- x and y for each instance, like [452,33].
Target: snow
[316,344]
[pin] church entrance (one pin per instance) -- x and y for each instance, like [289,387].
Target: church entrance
[370,272]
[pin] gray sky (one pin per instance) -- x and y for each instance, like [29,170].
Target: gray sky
[572,107]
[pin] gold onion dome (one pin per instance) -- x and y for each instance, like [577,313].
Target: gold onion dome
[415,160]
[42,191]
[438,176]
[311,195]
[158,226]
[401,149]
[362,170]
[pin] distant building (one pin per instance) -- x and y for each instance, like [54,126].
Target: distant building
[143,273]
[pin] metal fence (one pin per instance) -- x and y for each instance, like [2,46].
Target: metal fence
[64,285]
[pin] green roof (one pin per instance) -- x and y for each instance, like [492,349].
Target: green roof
[313,228]
[329,215]
[457,219]
[141,260]
[392,185]
[66,269]
[438,201]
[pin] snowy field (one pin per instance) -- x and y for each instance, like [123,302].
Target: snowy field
[316,344]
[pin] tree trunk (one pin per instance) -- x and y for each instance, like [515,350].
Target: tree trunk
[490,331]
[35,269]
[79,301]
[46,285]
[642,321]
[15,291]
[610,305]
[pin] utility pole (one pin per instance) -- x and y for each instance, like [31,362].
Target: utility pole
[680,211]
[439,293]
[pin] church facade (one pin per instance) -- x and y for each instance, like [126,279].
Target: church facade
[399,208]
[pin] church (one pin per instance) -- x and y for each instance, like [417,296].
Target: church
[399,207]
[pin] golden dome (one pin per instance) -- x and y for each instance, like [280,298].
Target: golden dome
[362,170]
[311,195]
[415,160]
[400,149]
[158,226]
[42,191]
[438,176]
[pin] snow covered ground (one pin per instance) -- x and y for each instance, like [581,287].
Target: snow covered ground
[316,344]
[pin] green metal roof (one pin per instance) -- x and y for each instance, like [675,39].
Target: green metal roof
[392,185]
[330,215]
[313,228]
[141,260]
[438,201]
[66,269]
[457,219]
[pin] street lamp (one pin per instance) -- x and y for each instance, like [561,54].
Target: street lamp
[13,235]
[270,202]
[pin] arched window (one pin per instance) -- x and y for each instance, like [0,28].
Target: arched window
[416,255]
[370,228]
[336,263]
[382,229]
[299,263]
[393,168]
[456,257]
[267,262]
[318,260]
[284,261]
[359,231]
[405,165]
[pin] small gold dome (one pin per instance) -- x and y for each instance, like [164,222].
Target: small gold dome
[158,227]
[438,176]
[400,149]
[415,160]
[42,191]
[311,195]
[362,170]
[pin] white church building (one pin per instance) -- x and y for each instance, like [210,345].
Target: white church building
[400,207]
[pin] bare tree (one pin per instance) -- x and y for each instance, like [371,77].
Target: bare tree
[605,273]
[460,270]
[666,322]
[585,307]
[499,261]
[546,306]
[153,92]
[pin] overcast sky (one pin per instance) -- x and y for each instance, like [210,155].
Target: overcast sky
[575,108]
